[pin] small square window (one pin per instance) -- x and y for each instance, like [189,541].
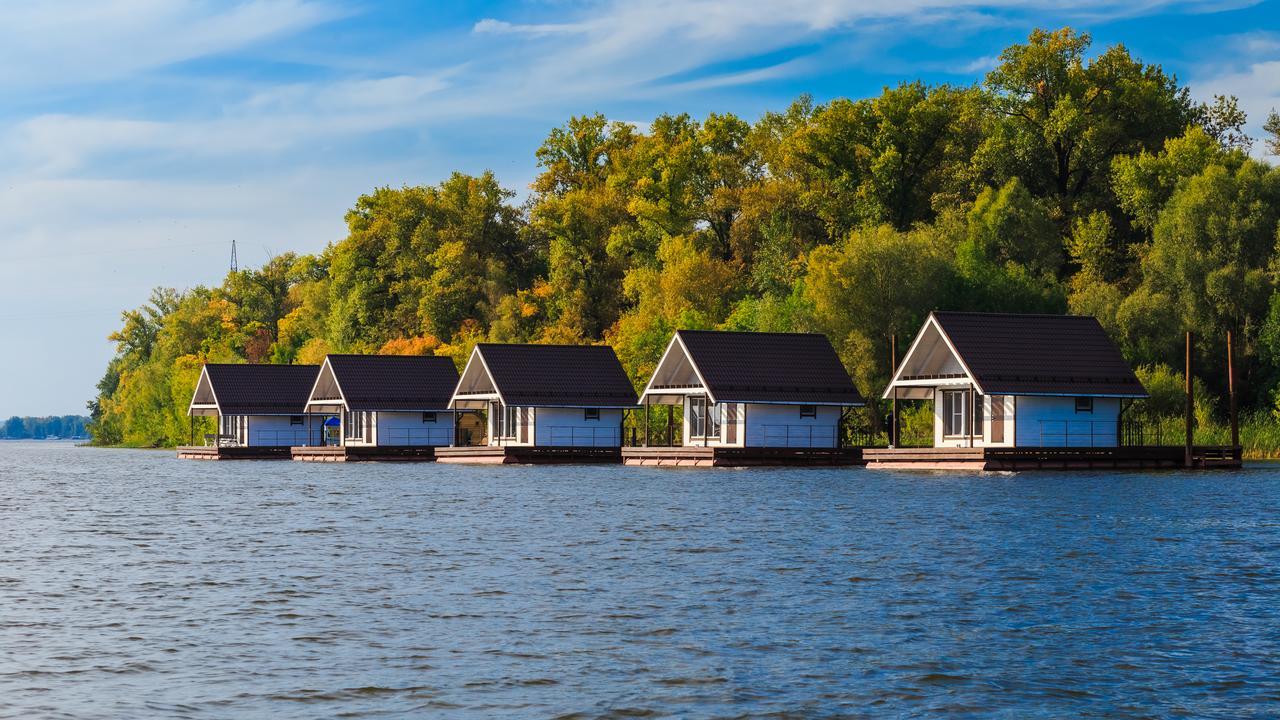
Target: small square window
[808,411]
[1084,404]
[295,420]
[591,414]
[428,417]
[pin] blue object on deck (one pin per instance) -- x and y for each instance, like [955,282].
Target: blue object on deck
[332,422]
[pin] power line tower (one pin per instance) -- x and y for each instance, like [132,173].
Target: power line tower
[234,265]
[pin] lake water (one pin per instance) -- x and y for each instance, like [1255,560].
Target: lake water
[136,585]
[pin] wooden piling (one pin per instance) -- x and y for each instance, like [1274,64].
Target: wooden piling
[1190,410]
[894,435]
[1231,392]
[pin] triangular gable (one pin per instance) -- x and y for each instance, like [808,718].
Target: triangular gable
[931,360]
[326,394]
[204,401]
[676,372]
[476,386]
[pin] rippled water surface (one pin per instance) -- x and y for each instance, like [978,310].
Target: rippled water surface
[136,585]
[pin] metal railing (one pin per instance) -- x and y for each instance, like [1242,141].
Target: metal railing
[579,436]
[278,438]
[795,435]
[1078,433]
[415,436]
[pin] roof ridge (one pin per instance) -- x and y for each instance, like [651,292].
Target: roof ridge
[1014,314]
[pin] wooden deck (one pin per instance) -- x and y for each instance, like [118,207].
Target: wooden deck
[739,457]
[213,452]
[1057,458]
[363,453]
[526,455]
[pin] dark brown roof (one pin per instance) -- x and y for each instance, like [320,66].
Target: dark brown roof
[395,382]
[558,375]
[799,368]
[261,389]
[1012,354]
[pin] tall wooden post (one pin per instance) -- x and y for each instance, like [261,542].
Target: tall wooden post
[894,434]
[193,430]
[671,425]
[1191,410]
[1231,393]
[646,421]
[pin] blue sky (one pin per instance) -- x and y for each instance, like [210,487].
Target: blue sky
[139,137]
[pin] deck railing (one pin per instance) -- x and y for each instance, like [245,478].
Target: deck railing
[795,435]
[278,438]
[437,437]
[1078,433]
[577,436]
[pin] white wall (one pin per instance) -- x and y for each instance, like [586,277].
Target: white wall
[275,431]
[568,426]
[782,426]
[407,428]
[761,425]
[1061,425]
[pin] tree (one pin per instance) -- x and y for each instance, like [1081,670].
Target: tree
[15,428]
[1272,128]
[1063,117]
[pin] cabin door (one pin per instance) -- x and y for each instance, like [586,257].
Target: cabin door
[999,415]
[731,424]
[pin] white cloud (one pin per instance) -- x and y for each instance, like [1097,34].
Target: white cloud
[65,42]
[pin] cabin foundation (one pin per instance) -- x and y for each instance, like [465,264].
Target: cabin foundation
[740,456]
[529,455]
[213,452]
[1050,458]
[364,453]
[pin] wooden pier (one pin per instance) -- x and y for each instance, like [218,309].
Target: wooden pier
[529,455]
[740,456]
[214,452]
[1051,458]
[365,453]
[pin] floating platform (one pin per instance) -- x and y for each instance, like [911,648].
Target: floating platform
[740,456]
[527,455]
[365,453]
[213,452]
[1050,458]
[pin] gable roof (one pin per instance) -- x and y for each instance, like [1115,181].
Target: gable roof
[1024,354]
[557,375]
[798,368]
[243,389]
[394,382]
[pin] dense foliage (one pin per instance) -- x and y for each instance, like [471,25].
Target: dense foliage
[1067,181]
[40,428]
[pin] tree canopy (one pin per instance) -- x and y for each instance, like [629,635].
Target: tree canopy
[1071,179]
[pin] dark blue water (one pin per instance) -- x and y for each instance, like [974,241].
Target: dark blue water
[136,585]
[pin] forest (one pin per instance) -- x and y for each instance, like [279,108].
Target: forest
[1071,179]
[40,428]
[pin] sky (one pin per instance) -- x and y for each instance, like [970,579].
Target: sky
[138,138]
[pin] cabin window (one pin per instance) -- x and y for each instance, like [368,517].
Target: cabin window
[591,414]
[953,402]
[428,417]
[510,418]
[358,425]
[295,419]
[697,417]
[713,420]
[808,411]
[977,415]
[1084,404]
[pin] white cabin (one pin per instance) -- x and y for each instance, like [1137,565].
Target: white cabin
[387,400]
[546,395]
[742,389]
[1013,380]
[256,405]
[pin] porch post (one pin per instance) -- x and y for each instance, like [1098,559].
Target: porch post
[671,425]
[969,419]
[192,441]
